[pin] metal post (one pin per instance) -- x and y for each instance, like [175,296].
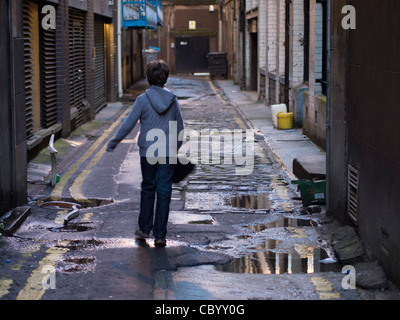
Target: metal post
[119,33]
[53,152]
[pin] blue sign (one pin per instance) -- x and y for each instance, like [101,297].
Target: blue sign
[141,14]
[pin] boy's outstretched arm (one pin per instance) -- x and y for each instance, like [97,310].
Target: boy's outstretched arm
[127,126]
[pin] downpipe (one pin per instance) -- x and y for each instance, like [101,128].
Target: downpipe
[119,53]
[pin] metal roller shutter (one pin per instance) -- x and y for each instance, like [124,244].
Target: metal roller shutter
[100,79]
[48,77]
[28,48]
[77,63]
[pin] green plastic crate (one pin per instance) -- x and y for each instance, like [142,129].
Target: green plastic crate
[312,192]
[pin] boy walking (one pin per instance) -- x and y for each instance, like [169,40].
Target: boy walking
[158,111]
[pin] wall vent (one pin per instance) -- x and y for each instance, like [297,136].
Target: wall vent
[353,179]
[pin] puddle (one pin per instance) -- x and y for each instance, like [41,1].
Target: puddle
[72,205]
[279,187]
[270,262]
[243,236]
[78,264]
[71,227]
[60,205]
[80,260]
[284,222]
[76,245]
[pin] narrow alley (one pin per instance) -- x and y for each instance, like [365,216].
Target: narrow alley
[291,120]
[231,236]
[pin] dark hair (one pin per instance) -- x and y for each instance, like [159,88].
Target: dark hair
[157,72]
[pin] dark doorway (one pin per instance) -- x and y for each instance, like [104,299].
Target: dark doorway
[253,61]
[191,54]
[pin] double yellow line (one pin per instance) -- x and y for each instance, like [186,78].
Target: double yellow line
[75,189]
[34,289]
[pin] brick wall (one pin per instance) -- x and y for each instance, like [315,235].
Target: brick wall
[297,43]
[262,46]
[271,34]
[314,116]
[318,46]
[275,33]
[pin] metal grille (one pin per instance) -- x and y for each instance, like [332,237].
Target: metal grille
[353,179]
[28,48]
[48,77]
[77,63]
[99,74]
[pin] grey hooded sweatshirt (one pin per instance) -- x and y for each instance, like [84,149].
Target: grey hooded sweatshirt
[158,109]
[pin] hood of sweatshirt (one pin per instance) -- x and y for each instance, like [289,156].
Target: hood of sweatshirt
[161,99]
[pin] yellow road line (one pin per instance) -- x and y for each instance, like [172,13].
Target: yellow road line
[76,189]
[60,216]
[87,216]
[57,191]
[34,288]
[324,288]
[5,285]
[298,232]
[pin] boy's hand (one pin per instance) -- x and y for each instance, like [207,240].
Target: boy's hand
[111,146]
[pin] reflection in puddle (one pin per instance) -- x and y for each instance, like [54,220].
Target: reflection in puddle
[261,201]
[284,222]
[302,260]
[278,185]
[252,201]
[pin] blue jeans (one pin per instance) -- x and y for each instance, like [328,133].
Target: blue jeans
[157,179]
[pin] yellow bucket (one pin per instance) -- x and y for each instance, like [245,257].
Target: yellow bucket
[285,120]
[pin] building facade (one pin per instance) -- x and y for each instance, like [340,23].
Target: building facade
[61,70]
[285,45]
[70,69]
[363,158]
[63,61]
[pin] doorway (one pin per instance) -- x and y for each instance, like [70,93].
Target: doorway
[191,54]
[253,61]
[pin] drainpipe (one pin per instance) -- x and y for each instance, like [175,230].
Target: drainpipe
[328,102]
[243,29]
[119,34]
[287,51]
